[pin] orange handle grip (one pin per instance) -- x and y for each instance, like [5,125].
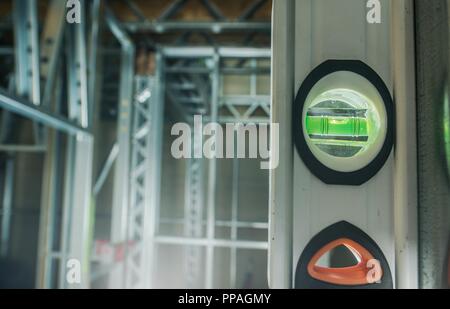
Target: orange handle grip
[353,275]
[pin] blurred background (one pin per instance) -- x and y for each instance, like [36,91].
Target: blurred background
[86,172]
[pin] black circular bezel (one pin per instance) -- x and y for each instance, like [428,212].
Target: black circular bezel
[324,173]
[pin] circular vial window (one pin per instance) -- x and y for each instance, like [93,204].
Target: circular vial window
[343,122]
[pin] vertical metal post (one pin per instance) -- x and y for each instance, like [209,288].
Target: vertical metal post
[52,37]
[145,178]
[234,220]
[211,202]
[26,74]
[78,79]
[27,53]
[49,200]
[79,247]
[193,213]
[66,210]
[50,51]
[27,50]
[8,187]
[139,191]
[122,167]
[253,78]
[156,163]
[47,216]
[405,172]
[280,260]
[92,58]
[80,221]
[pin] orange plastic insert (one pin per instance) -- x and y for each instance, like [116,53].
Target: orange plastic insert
[353,275]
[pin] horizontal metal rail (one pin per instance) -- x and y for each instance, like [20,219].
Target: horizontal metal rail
[39,114]
[223,52]
[225,243]
[239,224]
[214,27]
